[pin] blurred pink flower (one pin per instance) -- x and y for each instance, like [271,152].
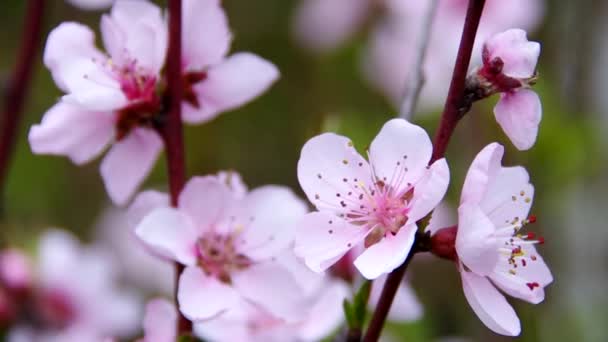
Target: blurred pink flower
[15,270]
[406,306]
[76,295]
[91,4]
[321,309]
[228,244]
[215,82]
[108,96]
[492,251]
[160,321]
[114,97]
[389,57]
[376,204]
[509,63]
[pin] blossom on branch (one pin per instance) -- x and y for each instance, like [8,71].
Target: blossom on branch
[375,204]
[230,246]
[492,251]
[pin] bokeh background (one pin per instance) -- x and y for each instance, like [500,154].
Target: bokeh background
[262,141]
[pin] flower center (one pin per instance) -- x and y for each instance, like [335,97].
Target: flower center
[218,257]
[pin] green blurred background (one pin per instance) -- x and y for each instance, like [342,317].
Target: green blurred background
[262,141]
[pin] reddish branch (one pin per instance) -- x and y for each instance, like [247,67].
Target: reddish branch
[19,84]
[172,130]
[452,113]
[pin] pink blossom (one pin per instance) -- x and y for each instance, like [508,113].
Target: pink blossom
[375,204]
[493,253]
[215,82]
[77,295]
[321,314]
[388,60]
[229,245]
[15,270]
[509,64]
[160,321]
[109,96]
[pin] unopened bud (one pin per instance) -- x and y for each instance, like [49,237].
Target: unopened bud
[443,243]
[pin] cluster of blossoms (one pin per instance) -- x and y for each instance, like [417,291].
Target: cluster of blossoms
[257,265]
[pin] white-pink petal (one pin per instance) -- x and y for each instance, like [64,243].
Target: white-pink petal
[329,168]
[144,203]
[400,145]
[490,305]
[205,200]
[160,321]
[323,238]
[508,197]
[517,53]
[69,130]
[326,313]
[225,88]
[386,255]
[429,190]
[91,4]
[271,213]
[272,287]
[170,234]
[203,50]
[481,173]
[519,114]
[129,162]
[202,297]
[476,245]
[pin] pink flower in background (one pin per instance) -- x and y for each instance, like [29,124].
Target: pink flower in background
[321,313]
[76,295]
[91,4]
[509,63]
[388,59]
[227,244]
[375,204]
[323,25]
[406,306]
[160,321]
[15,271]
[214,82]
[493,253]
[109,97]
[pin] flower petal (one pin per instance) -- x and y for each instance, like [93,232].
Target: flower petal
[490,306]
[386,255]
[322,239]
[400,147]
[68,46]
[206,200]
[520,284]
[330,169]
[482,172]
[203,50]
[272,287]
[68,130]
[271,213]
[508,197]
[429,190]
[144,203]
[129,162]
[326,313]
[160,321]
[476,245]
[517,53]
[519,114]
[91,4]
[225,88]
[202,297]
[170,234]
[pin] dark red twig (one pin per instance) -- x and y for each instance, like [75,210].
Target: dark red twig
[172,129]
[19,84]
[452,113]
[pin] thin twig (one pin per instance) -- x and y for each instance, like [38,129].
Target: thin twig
[172,129]
[452,113]
[19,85]
[416,80]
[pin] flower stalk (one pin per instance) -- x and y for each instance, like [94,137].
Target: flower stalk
[172,130]
[452,113]
[19,84]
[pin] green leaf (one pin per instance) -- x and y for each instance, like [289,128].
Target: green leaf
[349,314]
